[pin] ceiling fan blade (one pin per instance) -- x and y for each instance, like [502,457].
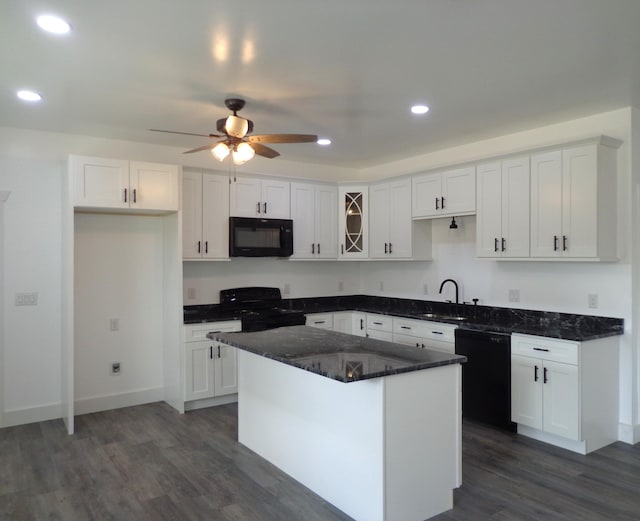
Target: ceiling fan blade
[200,149]
[282,138]
[263,151]
[183,133]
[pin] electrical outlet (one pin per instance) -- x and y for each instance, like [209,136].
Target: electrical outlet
[287,289]
[340,286]
[114,324]
[425,289]
[115,368]
[191,293]
[592,300]
[26,299]
[514,295]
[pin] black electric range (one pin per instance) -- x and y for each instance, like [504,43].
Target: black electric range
[258,308]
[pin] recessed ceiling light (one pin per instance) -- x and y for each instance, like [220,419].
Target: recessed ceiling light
[29,95]
[53,24]
[419,109]
[323,141]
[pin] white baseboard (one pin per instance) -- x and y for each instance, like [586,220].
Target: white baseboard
[52,411]
[119,400]
[210,402]
[629,433]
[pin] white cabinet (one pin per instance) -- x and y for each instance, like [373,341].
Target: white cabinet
[565,392]
[351,322]
[390,220]
[205,216]
[256,197]
[353,222]
[210,367]
[314,210]
[422,333]
[439,194]
[320,320]
[503,208]
[124,185]
[573,202]
[380,327]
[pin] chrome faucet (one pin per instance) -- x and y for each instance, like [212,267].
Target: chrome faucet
[454,283]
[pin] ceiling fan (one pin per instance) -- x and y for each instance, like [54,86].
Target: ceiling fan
[235,139]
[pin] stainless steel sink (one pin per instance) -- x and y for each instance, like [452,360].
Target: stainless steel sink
[443,317]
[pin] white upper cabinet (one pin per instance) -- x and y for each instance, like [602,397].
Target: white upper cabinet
[205,216]
[255,197]
[573,202]
[353,222]
[439,194]
[314,210]
[503,208]
[120,184]
[390,220]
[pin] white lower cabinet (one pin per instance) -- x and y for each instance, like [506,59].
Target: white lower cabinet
[210,367]
[351,322]
[564,392]
[320,320]
[421,333]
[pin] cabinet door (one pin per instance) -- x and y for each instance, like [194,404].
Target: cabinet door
[400,219]
[215,216]
[459,191]
[580,202]
[379,217]
[326,222]
[489,208]
[342,322]
[245,197]
[275,199]
[561,402]
[199,375]
[100,183]
[546,204]
[303,214]
[225,364]
[426,191]
[153,186]
[526,391]
[515,207]
[354,222]
[192,215]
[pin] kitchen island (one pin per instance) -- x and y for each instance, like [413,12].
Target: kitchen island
[372,427]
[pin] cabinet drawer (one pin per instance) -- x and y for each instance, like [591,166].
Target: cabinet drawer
[320,320]
[545,348]
[406,326]
[198,333]
[440,332]
[379,323]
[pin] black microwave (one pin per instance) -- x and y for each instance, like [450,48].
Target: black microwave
[255,237]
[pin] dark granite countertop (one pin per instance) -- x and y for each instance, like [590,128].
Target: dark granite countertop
[565,326]
[339,356]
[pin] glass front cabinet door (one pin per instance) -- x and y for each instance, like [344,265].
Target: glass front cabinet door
[354,223]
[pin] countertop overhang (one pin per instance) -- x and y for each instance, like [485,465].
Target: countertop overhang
[339,356]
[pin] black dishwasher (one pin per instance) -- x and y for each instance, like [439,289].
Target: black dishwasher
[486,377]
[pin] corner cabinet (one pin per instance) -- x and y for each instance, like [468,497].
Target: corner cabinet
[314,210]
[573,202]
[353,222]
[124,185]
[503,208]
[210,367]
[205,216]
[446,193]
[256,197]
[565,393]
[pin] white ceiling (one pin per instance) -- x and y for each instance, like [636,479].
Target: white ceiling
[344,69]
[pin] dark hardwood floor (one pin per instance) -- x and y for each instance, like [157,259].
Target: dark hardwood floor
[149,463]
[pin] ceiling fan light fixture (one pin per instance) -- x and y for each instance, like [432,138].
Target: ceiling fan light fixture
[236,126]
[243,153]
[220,151]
